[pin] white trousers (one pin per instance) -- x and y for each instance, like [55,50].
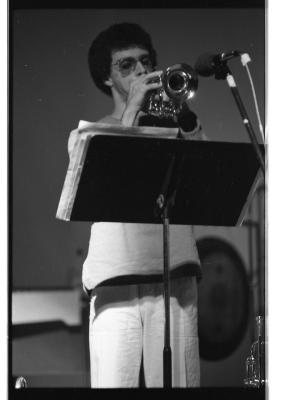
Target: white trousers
[127,324]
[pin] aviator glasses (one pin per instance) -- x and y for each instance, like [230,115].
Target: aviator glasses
[127,65]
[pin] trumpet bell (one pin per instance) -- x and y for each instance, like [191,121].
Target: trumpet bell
[180,82]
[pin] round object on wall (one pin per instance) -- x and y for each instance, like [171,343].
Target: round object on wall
[223,299]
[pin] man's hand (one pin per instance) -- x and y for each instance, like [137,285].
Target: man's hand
[139,86]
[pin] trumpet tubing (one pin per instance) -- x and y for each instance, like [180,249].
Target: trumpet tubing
[179,83]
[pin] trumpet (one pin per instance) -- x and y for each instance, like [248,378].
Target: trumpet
[255,363]
[179,84]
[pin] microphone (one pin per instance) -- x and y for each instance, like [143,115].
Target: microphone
[207,64]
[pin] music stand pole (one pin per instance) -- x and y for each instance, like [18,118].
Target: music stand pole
[167,352]
[162,209]
[164,203]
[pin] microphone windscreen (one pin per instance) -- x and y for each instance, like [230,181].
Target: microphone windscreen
[205,65]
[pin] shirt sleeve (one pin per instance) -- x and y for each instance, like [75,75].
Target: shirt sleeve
[196,134]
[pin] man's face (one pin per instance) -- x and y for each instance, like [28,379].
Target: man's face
[126,66]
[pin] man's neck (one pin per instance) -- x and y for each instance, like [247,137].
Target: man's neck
[119,105]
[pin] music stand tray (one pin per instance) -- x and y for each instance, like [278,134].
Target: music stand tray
[117,178]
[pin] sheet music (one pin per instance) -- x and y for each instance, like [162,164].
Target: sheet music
[86,130]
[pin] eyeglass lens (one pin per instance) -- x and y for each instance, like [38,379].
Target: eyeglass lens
[128,64]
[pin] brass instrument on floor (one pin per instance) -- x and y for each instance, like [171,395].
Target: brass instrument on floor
[20,383]
[255,363]
[179,83]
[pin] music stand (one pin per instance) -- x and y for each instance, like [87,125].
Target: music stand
[157,180]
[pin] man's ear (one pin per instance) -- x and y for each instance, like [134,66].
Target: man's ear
[108,82]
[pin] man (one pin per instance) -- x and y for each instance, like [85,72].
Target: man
[123,271]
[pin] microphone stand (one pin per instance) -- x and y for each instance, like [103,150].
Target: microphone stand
[223,72]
